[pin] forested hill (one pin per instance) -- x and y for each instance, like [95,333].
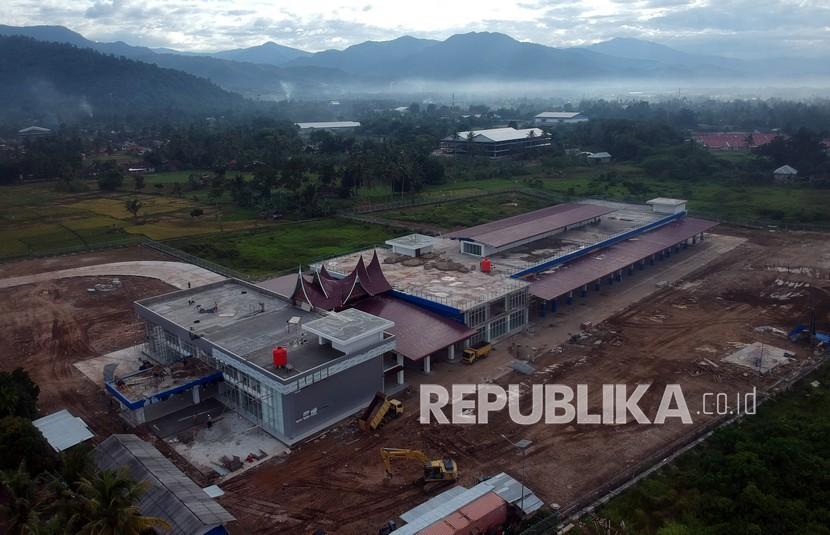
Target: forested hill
[54,83]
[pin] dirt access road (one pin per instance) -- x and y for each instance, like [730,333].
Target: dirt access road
[337,481]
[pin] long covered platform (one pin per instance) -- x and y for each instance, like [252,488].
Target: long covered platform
[609,264]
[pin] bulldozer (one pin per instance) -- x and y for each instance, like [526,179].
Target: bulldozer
[434,470]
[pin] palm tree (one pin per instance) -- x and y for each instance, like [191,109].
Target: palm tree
[25,496]
[110,505]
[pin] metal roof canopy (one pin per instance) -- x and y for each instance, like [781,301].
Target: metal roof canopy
[329,124]
[418,332]
[521,227]
[347,326]
[170,495]
[588,269]
[62,430]
[503,485]
[412,241]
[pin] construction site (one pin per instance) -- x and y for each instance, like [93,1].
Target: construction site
[298,395]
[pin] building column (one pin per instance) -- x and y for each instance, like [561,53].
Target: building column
[451,352]
[428,364]
[596,285]
[399,375]
[570,297]
[542,309]
[585,290]
[553,304]
[641,265]
[196,397]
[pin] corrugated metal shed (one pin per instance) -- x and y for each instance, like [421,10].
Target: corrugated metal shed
[448,502]
[585,270]
[510,490]
[170,495]
[479,516]
[418,331]
[521,227]
[495,135]
[62,430]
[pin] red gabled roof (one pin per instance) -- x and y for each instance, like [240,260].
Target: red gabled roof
[329,293]
[418,331]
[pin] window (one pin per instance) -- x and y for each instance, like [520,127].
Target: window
[517,319]
[477,316]
[498,328]
[517,300]
[471,248]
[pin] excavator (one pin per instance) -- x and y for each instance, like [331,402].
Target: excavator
[434,470]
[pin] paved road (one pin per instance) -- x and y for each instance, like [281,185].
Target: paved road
[178,274]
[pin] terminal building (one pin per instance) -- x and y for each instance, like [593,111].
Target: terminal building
[496,143]
[298,353]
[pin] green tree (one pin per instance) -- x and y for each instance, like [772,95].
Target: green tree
[18,394]
[110,177]
[21,441]
[109,503]
[133,206]
[25,497]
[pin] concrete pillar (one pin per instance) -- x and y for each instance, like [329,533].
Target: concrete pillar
[651,260]
[428,364]
[399,375]
[196,397]
[585,290]
[570,298]
[138,416]
[611,280]
[641,265]
[553,304]
[451,352]
[631,269]
[543,309]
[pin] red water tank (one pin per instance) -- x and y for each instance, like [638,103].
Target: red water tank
[486,265]
[280,357]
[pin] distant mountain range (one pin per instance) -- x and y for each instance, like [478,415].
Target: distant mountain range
[273,71]
[53,83]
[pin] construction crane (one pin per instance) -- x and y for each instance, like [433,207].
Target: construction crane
[434,470]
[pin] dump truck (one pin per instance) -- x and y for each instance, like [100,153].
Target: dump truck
[477,351]
[434,470]
[379,410]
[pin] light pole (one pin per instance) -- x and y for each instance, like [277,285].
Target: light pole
[522,445]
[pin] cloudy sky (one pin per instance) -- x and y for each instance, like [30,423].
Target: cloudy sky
[741,28]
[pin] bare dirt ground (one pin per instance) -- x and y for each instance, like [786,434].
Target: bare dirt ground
[337,481]
[48,326]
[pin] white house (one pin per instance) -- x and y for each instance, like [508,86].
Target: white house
[553,118]
[664,205]
[785,174]
[599,157]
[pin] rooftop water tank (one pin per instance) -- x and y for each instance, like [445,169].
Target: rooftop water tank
[486,265]
[280,357]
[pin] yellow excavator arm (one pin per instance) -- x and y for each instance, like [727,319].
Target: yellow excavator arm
[434,470]
[387,454]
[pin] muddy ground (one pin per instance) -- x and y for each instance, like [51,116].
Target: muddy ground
[337,481]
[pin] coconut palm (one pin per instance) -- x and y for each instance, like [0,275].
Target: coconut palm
[25,496]
[109,501]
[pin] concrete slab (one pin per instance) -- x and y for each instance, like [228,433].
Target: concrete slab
[178,274]
[760,357]
[230,435]
[128,361]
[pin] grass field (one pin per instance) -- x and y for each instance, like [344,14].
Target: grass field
[457,214]
[285,246]
[35,218]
